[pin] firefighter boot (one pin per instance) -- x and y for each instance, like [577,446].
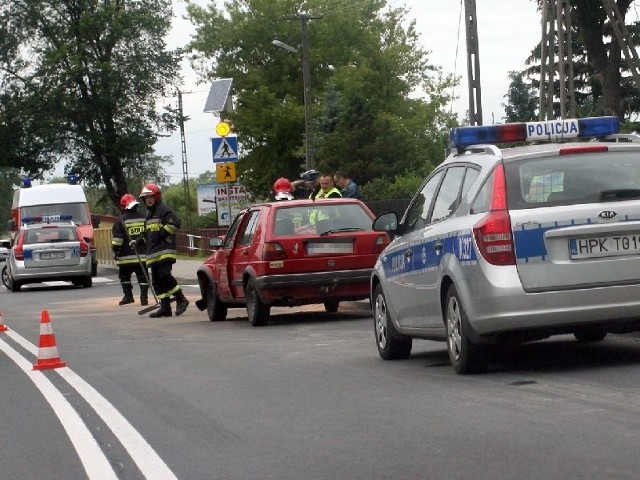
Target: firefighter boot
[164,310]
[181,303]
[144,291]
[128,295]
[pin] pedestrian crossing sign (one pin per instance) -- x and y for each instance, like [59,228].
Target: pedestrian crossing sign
[225,149]
[226,172]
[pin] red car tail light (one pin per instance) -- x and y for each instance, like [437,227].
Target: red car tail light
[273,251]
[18,251]
[493,233]
[381,242]
[84,248]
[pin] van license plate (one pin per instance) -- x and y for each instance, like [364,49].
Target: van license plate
[51,255]
[604,246]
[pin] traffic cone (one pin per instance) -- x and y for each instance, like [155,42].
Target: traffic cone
[47,350]
[3,327]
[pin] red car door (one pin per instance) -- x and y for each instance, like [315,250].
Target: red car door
[222,258]
[243,252]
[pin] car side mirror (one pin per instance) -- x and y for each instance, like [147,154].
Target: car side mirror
[215,242]
[95,221]
[386,222]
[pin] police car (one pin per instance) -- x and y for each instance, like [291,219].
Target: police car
[508,245]
[48,248]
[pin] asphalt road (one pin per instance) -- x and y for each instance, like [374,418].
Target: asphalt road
[304,397]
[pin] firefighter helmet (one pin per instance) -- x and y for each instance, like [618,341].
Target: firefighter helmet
[151,189]
[282,185]
[128,201]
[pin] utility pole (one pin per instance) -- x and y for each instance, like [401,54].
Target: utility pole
[185,174]
[306,83]
[473,63]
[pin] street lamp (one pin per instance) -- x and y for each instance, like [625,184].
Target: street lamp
[306,82]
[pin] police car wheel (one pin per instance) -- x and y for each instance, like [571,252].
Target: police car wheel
[5,277]
[391,344]
[585,336]
[257,311]
[465,356]
[216,310]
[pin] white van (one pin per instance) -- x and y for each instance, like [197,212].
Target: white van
[53,200]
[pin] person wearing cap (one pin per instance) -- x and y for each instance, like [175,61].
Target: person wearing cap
[348,187]
[307,186]
[128,227]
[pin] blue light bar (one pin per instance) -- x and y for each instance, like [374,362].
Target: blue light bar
[73,179]
[26,182]
[47,219]
[558,130]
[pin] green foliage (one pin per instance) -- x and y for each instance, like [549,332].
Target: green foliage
[81,83]
[368,117]
[9,179]
[522,102]
[404,186]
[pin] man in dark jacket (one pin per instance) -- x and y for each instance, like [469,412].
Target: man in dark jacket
[161,226]
[130,226]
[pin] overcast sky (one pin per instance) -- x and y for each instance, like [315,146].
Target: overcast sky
[507,31]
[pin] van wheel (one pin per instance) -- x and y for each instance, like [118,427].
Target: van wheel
[465,356]
[331,306]
[257,311]
[391,344]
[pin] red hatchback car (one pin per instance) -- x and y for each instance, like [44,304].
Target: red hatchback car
[291,253]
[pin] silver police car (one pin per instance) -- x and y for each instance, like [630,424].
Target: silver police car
[45,249]
[516,244]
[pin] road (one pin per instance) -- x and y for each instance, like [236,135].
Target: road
[305,397]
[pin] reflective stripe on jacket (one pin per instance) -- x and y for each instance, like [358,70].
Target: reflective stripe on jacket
[161,226]
[130,226]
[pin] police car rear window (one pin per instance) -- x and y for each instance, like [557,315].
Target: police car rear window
[50,235]
[573,179]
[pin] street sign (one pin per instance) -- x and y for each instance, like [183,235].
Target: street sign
[225,149]
[226,172]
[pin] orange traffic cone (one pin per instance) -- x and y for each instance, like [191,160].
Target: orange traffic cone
[47,350]
[3,327]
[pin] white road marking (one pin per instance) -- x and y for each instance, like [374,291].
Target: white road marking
[93,460]
[145,457]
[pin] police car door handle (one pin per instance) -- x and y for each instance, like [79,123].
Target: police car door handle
[408,253]
[438,247]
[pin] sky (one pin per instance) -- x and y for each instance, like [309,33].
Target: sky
[507,31]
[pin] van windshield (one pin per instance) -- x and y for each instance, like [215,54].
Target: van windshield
[77,210]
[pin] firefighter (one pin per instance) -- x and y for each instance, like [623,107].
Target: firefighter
[161,226]
[129,227]
[282,188]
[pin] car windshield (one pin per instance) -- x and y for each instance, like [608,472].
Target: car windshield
[572,179]
[78,211]
[321,219]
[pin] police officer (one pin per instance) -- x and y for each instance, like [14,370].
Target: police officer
[161,226]
[327,188]
[129,227]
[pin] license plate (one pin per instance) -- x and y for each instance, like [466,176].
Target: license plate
[51,255]
[329,248]
[604,246]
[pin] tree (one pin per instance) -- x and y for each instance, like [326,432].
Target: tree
[521,101]
[601,87]
[80,81]
[378,104]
